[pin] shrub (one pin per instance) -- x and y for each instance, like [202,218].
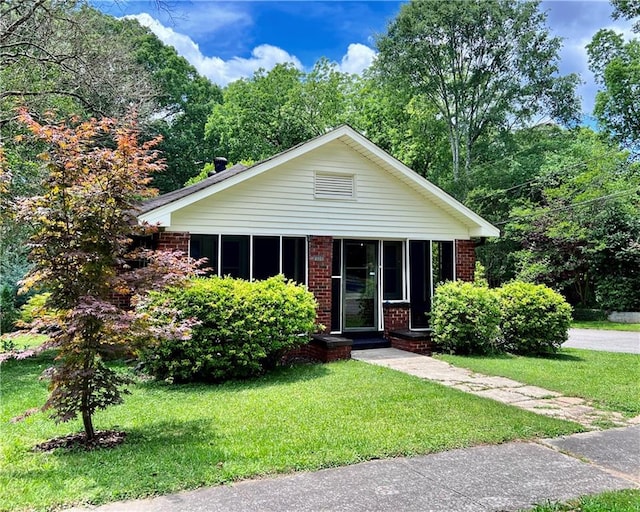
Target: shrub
[535,319]
[8,311]
[243,327]
[465,318]
[34,308]
[618,293]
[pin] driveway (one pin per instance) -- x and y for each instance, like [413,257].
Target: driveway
[608,341]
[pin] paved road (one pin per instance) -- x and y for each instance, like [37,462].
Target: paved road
[609,341]
[505,477]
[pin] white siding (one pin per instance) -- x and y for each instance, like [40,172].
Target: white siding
[281,201]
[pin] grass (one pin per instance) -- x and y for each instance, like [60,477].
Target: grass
[605,325]
[609,380]
[21,342]
[615,501]
[301,418]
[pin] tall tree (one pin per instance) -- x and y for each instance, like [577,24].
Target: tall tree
[482,64]
[184,100]
[616,66]
[97,173]
[275,110]
[628,9]
[66,55]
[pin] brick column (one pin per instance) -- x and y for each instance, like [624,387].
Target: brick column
[396,316]
[320,256]
[465,259]
[174,241]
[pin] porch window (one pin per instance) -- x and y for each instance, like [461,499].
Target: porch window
[392,275]
[430,263]
[235,256]
[294,258]
[205,246]
[420,282]
[252,257]
[336,287]
[443,263]
[266,256]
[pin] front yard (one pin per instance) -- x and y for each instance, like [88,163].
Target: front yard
[609,380]
[300,418]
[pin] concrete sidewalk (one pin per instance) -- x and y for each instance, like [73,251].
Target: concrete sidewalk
[505,477]
[508,391]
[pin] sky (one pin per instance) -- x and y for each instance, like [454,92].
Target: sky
[226,41]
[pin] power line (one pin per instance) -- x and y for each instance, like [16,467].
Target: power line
[569,206]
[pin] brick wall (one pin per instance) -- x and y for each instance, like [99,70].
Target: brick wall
[465,260]
[315,352]
[173,241]
[422,346]
[320,255]
[396,316]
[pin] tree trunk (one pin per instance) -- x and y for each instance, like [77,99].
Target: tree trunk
[84,403]
[88,425]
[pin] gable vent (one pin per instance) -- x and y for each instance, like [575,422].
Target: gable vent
[334,186]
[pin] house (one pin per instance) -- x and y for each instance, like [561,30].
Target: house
[367,235]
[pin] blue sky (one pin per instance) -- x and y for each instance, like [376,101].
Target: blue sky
[229,40]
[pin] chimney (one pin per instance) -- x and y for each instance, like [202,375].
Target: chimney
[220,163]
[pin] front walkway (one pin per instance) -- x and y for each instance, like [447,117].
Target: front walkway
[531,398]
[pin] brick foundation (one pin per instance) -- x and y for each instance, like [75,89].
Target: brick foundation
[396,316]
[323,348]
[412,341]
[465,260]
[320,256]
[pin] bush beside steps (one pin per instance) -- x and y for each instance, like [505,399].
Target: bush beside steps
[521,318]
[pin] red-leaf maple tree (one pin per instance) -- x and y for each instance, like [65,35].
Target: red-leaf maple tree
[97,175]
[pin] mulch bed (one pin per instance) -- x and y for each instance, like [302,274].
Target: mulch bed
[102,439]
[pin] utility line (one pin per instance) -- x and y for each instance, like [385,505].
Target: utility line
[569,206]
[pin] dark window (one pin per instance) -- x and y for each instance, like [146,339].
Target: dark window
[294,258]
[205,246]
[235,256]
[420,282]
[442,262]
[336,287]
[392,271]
[336,259]
[266,256]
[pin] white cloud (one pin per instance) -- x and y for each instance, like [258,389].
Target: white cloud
[216,69]
[358,58]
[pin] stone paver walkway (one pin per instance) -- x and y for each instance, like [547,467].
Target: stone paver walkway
[508,391]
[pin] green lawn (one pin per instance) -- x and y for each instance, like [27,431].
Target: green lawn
[21,342]
[179,437]
[605,325]
[608,379]
[616,501]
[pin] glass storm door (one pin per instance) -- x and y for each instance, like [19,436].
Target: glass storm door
[360,306]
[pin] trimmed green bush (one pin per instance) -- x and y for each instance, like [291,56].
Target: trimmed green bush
[535,319]
[618,293]
[242,328]
[465,318]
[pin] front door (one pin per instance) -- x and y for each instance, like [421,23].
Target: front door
[360,293]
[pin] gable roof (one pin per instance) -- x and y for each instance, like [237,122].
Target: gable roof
[159,209]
